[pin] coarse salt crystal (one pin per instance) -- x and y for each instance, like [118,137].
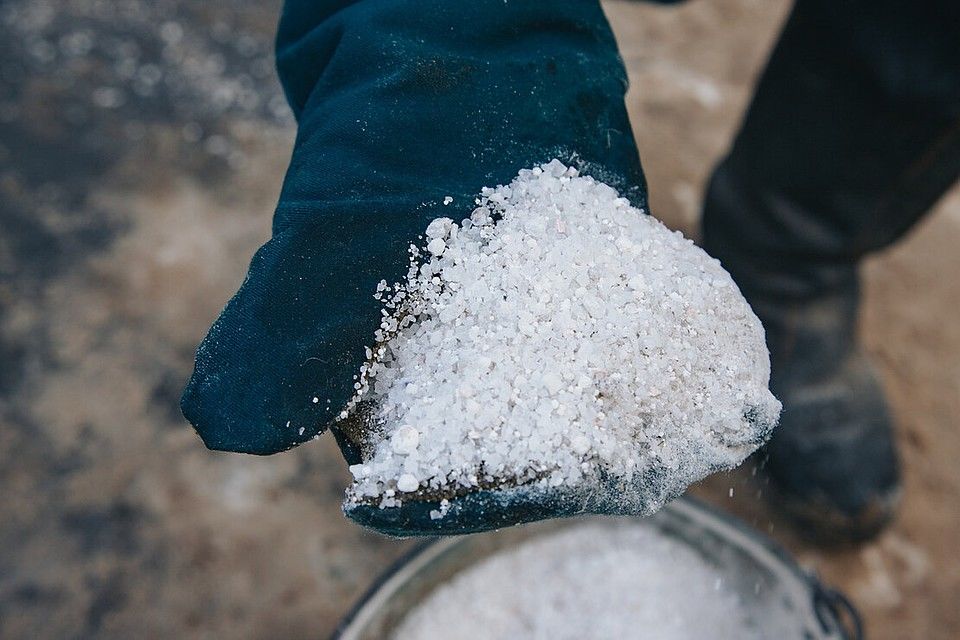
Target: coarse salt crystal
[580,444]
[553,382]
[407,483]
[405,440]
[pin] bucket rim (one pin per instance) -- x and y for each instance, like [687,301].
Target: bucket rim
[831,606]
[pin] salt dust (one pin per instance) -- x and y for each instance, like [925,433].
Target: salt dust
[556,334]
[591,581]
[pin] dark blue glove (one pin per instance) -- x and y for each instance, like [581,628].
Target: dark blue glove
[400,103]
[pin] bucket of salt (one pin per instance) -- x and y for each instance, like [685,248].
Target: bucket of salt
[687,572]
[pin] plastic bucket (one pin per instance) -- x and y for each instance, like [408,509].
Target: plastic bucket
[784,601]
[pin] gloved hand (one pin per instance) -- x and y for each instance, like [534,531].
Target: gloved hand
[400,103]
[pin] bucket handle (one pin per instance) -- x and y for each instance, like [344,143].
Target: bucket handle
[832,606]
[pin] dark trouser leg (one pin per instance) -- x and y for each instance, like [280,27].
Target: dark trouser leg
[845,146]
[853,134]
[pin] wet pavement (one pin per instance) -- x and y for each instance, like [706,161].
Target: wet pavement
[142,146]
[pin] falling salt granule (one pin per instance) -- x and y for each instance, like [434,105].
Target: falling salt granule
[590,581]
[558,335]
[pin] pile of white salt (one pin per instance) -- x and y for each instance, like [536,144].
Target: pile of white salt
[590,581]
[557,333]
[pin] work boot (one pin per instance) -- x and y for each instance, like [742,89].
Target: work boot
[832,463]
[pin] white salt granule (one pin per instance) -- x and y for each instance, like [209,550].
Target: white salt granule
[407,482]
[405,440]
[556,334]
[590,581]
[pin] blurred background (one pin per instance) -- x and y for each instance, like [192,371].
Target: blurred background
[142,145]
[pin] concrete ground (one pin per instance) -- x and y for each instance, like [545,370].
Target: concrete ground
[142,145]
